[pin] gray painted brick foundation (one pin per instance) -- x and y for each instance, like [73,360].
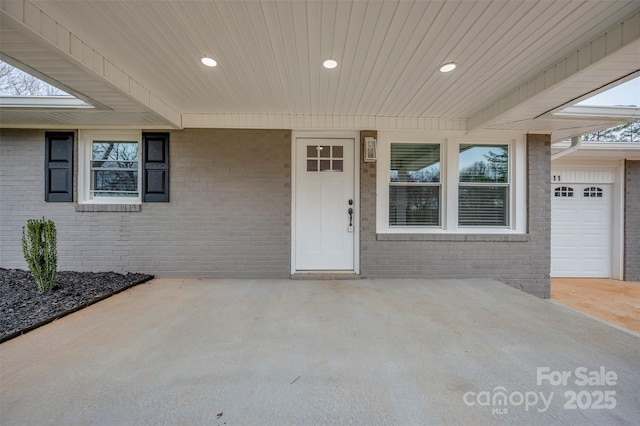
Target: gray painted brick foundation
[522,262]
[632,221]
[229,214]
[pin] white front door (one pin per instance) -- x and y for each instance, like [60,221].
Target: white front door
[325,210]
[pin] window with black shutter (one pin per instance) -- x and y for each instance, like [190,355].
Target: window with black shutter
[155,174]
[58,167]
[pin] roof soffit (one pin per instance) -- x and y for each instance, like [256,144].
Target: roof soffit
[32,38]
[373,92]
[614,55]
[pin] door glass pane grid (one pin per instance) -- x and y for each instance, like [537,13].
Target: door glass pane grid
[325,158]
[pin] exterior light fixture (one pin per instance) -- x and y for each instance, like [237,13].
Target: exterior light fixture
[330,64]
[449,66]
[370,154]
[210,62]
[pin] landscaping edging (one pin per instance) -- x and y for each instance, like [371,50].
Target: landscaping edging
[23,309]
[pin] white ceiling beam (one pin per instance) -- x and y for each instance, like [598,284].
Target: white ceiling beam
[35,23]
[611,56]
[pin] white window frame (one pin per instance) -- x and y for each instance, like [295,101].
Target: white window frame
[506,184]
[443,171]
[86,138]
[449,152]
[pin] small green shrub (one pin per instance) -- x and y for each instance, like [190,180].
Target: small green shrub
[40,253]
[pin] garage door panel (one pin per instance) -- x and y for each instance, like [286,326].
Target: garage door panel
[594,221]
[581,231]
[593,234]
[564,243]
[565,211]
[593,267]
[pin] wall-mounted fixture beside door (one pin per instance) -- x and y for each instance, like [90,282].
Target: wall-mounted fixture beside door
[370,152]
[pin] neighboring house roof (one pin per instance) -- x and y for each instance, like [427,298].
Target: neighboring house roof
[139,62]
[600,150]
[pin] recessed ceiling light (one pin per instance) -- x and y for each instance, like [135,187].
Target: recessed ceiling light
[210,62]
[449,66]
[330,64]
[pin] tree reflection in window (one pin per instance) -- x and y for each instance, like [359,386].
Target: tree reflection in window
[114,169]
[484,164]
[483,192]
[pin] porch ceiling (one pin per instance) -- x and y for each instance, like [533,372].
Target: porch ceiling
[140,60]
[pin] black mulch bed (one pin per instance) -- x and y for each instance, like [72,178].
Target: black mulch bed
[23,308]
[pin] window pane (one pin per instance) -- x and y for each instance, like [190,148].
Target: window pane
[483,206]
[325,151]
[484,163]
[325,165]
[312,165]
[115,164]
[114,169]
[592,191]
[312,151]
[114,182]
[415,162]
[109,150]
[563,191]
[414,205]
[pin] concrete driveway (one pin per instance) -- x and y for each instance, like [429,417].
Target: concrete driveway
[256,352]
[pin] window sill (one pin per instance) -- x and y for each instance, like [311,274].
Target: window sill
[115,208]
[454,237]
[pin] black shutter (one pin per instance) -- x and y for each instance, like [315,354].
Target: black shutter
[58,167]
[155,173]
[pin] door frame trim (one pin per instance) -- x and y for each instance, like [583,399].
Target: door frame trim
[355,136]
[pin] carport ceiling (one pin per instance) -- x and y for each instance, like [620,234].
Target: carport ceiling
[270,54]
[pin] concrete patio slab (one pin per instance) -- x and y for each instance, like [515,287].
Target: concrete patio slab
[255,352]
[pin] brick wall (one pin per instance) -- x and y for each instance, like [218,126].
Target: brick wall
[632,221]
[229,215]
[520,261]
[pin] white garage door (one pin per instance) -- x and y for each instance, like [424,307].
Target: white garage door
[581,230]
